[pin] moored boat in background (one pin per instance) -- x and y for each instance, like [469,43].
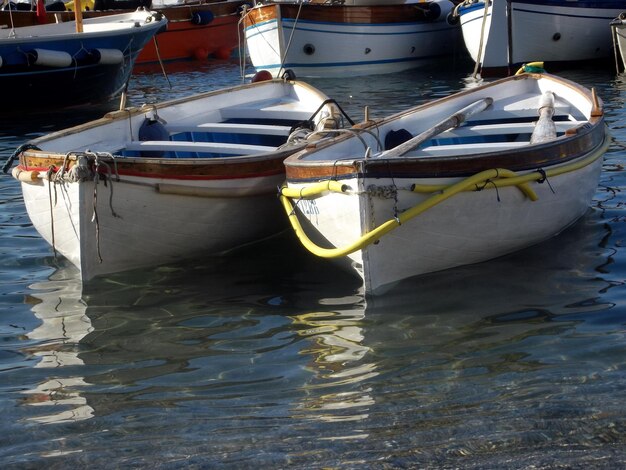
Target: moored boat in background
[360,37]
[166,182]
[456,181]
[508,33]
[89,61]
[195,30]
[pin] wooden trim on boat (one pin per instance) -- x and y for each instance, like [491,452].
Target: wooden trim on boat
[332,13]
[167,168]
[515,159]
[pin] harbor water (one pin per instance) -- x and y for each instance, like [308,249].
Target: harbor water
[269,358]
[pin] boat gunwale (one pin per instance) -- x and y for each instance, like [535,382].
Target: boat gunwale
[66,31]
[336,13]
[247,166]
[173,13]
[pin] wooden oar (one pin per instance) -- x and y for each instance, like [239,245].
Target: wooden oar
[545,129]
[451,122]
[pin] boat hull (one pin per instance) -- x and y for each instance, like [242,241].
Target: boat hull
[135,223]
[40,60]
[556,32]
[157,184]
[184,37]
[316,40]
[472,227]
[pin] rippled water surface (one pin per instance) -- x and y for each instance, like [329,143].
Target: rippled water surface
[271,359]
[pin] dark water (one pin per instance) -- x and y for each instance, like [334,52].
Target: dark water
[272,359]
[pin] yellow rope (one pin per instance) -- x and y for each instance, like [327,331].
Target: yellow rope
[498,177]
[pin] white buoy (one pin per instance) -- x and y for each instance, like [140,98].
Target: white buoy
[108,56]
[49,58]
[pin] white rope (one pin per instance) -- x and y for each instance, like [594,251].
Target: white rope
[282,60]
[482,36]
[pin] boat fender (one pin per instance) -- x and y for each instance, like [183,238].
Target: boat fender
[261,76]
[201,18]
[439,10]
[25,176]
[1,61]
[223,53]
[107,56]
[200,53]
[395,138]
[289,75]
[153,128]
[49,58]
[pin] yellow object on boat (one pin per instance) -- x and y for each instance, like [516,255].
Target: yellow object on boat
[531,67]
[86,5]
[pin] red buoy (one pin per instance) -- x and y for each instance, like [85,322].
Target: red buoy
[222,53]
[201,53]
[261,76]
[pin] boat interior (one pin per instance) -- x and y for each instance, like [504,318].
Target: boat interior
[507,124]
[240,130]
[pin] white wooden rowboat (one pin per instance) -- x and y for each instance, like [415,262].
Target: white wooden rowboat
[161,183]
[457,181]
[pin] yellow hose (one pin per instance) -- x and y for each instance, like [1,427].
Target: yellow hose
[502,177]
[314,189]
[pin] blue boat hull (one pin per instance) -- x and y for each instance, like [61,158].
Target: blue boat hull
[71,68]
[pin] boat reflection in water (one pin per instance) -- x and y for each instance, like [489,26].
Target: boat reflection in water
[58,304]
[275,342]
[339,359]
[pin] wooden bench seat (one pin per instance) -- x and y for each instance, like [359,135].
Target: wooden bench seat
[207,147]
[227,128]
[504,129]
[465,149]
[280,111]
